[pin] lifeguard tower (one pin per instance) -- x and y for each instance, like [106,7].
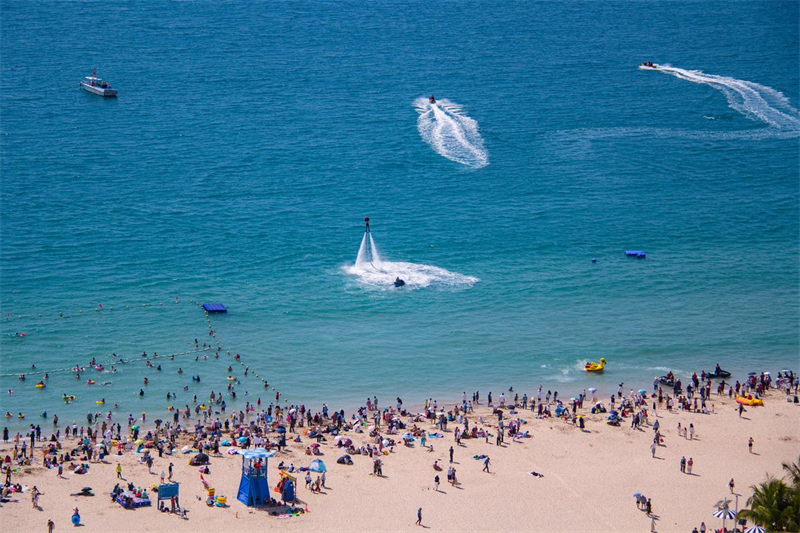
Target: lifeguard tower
[253,488]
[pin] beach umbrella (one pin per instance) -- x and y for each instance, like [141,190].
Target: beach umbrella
[281,429]
[434,436]
[725,514]
[637,494]
[317,466]
[592,389]
[242,439]
[573,399]
[755,529]
[134,427]
[642,391]
[138,441]
[315,445]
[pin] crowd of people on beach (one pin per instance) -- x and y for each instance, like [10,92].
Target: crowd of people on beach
[382,431]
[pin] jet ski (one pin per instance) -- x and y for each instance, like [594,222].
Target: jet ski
[664,380]
[648,64]
[399,282]
[431,99]
[718,374]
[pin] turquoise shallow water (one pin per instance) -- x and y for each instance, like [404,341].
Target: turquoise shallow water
[250,139]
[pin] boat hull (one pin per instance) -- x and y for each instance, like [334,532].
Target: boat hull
[100,91]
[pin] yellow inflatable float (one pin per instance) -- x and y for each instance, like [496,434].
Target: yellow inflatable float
[40,385]
[749,400]
[596,367]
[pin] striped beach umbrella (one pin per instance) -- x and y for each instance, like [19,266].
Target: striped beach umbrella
[725,514]
[755,529]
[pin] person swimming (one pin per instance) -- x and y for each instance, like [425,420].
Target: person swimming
[431,99]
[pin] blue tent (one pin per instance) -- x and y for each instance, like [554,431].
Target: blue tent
[253,488]
[317,466]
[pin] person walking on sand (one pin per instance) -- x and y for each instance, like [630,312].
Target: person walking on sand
[436,483]
[683,464]
[169,472]
[731,485]
[486,464]
[750,445]
[419,517]
[35,496]
[691,431]
[50,526]
[689,465]
[451,454]
[653,449]
[119,471]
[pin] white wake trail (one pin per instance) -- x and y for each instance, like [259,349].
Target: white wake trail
[374,272]
[753,100]
[450,133]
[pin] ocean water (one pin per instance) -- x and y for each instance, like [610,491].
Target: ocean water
[250,139]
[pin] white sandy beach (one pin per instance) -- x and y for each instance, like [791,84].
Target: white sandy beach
[589,479]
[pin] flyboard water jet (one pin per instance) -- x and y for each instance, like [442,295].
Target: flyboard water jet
[368,253]
[372,270]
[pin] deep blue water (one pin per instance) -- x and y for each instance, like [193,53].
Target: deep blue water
[250,139]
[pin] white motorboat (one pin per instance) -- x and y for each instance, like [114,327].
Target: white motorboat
[95,85]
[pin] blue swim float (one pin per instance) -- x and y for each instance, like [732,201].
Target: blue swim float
[76,519]
[269,419]
[640,254]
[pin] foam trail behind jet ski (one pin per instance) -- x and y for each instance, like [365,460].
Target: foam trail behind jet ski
[374,272]
[450,133]
[754,101]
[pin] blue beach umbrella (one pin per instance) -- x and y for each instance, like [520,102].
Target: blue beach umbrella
[755,529]
[642,391]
